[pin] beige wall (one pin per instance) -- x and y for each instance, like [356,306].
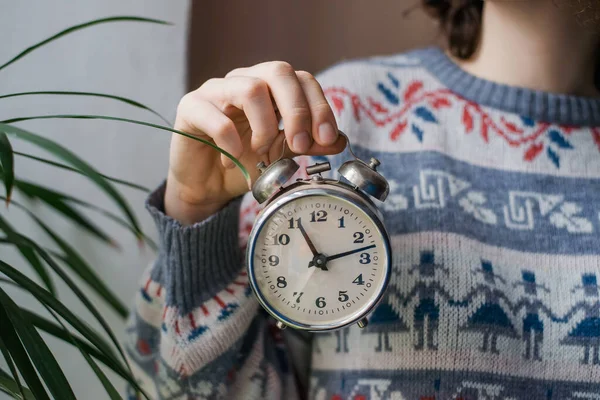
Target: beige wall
[310,34]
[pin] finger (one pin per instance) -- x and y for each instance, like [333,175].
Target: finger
[324,126]
[316,149]
[250,95]
[335,148]
[290,100]
[201,118]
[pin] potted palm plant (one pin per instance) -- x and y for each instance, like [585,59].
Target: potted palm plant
[32,371]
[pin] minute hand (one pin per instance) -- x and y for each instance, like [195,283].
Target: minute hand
[347,253]
[307,239]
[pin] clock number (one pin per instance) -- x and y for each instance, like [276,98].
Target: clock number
[318,216]
[341,223]
[293,223]
[281,283]
[365,258]
[359,237]
[343,297]
[299,296]
[281,239]
[359,280]
[273,260]
[320,302]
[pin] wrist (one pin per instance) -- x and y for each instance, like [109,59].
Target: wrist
[181,207]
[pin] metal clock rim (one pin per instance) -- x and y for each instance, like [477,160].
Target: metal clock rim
[344,194]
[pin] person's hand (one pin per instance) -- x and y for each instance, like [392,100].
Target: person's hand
[240,113]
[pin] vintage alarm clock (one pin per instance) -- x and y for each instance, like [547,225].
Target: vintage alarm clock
[319,256]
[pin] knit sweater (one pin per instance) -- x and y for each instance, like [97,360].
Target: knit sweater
[494,220]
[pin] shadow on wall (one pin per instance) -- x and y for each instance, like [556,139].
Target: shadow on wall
[311,34]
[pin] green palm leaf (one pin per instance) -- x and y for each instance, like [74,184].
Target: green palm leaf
[33,259]
[61,332]
[91,94]
[38,351]
[7,162]
[13,387]
[13,344]
[38,267]
[108,386]
[74,261]
[78,163]
[45,298]
[63,166]
[16,388]
[57,202]
[77,28]
[4,125]
[20,240]
[94,338]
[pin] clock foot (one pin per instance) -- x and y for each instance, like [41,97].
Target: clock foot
[362,323]
[281,325]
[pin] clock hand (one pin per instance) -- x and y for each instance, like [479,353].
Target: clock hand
[319,260]
[347,253]
[307,239]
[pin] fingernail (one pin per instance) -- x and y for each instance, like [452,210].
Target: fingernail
[263,150]
[301,142]
[327,134]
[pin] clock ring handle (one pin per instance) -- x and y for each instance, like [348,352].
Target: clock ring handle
[348,145]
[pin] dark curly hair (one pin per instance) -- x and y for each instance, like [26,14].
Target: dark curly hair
[460,22]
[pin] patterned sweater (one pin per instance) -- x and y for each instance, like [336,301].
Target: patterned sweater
[494,218]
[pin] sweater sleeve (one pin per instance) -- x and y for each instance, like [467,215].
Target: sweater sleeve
[197,331]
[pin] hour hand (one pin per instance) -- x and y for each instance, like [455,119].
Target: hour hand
[308,241]
[347,253]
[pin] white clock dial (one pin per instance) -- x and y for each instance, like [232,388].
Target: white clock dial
[319,261]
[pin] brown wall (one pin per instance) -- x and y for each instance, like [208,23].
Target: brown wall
[310,34]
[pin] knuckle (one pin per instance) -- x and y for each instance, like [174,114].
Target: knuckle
[212,82]
[210,89]
[234,72]
[321,109]
[299,113]
[185,102]
[223,127]
[260,140]
[281,68]
[254,88]
[305,76]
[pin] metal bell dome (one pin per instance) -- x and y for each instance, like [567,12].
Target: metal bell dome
[273,177]
[365,177]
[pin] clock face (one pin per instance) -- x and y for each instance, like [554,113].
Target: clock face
[319,262]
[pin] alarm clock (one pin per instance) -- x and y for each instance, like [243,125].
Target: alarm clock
[318,255]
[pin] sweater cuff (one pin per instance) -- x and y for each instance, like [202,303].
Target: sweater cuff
[196,262]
